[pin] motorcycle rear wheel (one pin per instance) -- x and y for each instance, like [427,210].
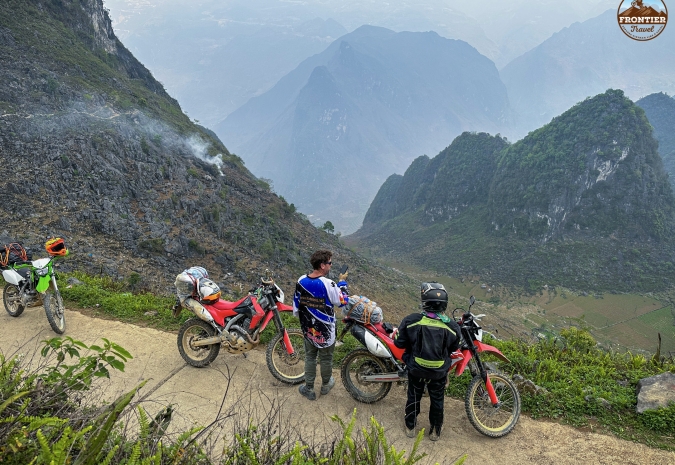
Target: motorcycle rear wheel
[489,420]
[361,362]
[287,368]
[55,310]
[11,299]
[191,331]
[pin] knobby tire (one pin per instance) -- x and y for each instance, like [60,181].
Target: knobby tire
[287,368]
[55,311]
[191,331]
[488,420]
[11,299]
[361,362]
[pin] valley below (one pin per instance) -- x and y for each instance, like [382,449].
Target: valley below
[618,322]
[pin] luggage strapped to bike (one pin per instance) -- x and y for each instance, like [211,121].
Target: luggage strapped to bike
[13,253]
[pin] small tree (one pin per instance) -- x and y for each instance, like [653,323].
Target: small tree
[328,227]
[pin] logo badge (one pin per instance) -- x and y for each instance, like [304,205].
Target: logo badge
[642,19]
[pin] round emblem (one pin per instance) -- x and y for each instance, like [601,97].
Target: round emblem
[642,19]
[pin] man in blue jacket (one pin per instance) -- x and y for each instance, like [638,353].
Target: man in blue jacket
[314,303]
[428,338]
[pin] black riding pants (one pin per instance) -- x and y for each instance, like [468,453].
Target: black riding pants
[436,388]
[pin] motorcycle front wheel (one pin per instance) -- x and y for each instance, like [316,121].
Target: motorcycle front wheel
[11,298]
[287,368]
[359,363]
[55,310]
[489,420]
[193,330]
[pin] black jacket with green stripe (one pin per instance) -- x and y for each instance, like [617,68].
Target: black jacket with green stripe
[428,343]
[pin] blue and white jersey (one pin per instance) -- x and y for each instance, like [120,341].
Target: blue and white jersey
[314,303]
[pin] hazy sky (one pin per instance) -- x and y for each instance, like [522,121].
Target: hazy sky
[499,29]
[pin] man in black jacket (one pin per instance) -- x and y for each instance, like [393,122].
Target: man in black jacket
[428,338]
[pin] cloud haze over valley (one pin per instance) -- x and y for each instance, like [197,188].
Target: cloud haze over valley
[252,72]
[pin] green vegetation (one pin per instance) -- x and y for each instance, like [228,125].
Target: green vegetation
[582,202]
[586,386]
[50,415]
[114,299]
[328,227]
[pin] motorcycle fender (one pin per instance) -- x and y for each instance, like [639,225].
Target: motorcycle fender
[43,284]
[371,342]
[284,308]
[12,277]
[493,350]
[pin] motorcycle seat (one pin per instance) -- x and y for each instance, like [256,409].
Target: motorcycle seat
[244,306]
[385,328]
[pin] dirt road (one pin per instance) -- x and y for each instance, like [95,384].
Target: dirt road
[198,393]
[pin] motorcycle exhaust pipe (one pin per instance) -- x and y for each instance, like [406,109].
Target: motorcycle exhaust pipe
[382,377]
[224,337]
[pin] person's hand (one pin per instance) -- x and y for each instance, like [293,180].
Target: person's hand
[394,333]
[343,276]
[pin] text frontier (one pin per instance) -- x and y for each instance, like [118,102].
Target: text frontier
[641,20]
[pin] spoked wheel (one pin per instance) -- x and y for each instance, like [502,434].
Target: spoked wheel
[287,368]
[11,298]
[489,420]
[357,364]
[55,310]
[193,330]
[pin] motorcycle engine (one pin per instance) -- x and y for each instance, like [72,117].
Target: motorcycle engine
[239,341]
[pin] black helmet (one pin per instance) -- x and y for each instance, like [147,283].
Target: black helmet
[434,297]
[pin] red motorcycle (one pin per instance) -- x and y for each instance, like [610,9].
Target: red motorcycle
[237,327]
[492,400]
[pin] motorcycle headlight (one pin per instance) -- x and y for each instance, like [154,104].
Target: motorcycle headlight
[42,271]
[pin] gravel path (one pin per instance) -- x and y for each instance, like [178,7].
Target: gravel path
[253,392]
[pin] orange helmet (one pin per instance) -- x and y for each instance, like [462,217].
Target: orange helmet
[55,247]
[208,291]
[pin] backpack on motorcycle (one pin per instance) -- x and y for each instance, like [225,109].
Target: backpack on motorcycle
[13,253]
[362,309]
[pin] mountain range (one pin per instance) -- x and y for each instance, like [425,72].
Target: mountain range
[347,118]
[582,202]
[98,153]
[582,60]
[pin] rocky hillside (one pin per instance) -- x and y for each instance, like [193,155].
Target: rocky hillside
[583,202]
[660,111]
[344,120]
[95,151]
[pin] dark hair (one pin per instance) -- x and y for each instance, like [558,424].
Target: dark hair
[319,257]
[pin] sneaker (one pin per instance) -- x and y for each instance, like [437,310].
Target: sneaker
[325,389]
[410,432]
[309,393]
[435,434]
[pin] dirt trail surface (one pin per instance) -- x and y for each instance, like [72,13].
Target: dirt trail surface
[198,393]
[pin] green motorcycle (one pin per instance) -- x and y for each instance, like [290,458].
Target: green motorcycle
[28,282]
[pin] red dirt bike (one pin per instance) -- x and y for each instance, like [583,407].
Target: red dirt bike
[492,401]
[237,327]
